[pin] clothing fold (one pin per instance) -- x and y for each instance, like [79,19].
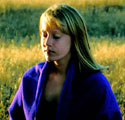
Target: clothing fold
[84,96]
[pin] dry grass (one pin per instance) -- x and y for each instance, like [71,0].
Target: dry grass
[113,55]
[45,3]
[15,60]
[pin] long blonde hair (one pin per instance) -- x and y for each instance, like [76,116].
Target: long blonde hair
[70,22]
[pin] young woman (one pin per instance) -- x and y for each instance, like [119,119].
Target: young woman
[69,85]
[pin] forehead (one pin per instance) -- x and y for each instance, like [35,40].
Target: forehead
[51,22]
[48,25]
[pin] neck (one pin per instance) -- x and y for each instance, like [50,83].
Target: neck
[61,65]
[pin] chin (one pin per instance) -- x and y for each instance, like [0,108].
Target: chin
[52,58]
[49,59]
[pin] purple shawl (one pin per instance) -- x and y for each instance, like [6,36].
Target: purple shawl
[89,98]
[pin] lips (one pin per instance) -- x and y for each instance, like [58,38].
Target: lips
[49,51]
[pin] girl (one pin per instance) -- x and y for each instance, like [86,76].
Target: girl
[69,85]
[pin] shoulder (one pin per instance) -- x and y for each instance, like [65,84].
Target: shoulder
[34,70]
[96,92]
[99,87]
[31,76]
[94,79]
[98,78]
[98,83]
[94,82]
[95,85]
[30,81]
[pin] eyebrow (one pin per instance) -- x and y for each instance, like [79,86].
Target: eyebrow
[54,31]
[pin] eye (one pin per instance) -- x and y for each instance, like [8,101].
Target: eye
[55,36]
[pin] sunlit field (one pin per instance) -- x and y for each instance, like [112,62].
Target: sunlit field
[38,3]
[20,46]
[15,60]
[112,54]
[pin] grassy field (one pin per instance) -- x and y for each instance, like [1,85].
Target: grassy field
[20,19]
[4,4]
[20,48]
[16,59]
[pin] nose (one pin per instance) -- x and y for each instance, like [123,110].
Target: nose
[49,41]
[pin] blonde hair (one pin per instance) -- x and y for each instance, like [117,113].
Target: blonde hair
[70,22]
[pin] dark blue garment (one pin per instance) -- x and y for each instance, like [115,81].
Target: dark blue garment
[46,109]
[83,97]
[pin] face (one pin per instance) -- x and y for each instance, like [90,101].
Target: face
[55,44]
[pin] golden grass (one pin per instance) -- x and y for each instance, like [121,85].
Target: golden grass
[15,60]
[112,55]
[105,53]
[45,3]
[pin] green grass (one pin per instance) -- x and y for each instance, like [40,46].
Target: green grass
[24,21]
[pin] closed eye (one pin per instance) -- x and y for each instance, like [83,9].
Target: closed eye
[56,36]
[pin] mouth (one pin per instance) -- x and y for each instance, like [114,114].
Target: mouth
[49,51]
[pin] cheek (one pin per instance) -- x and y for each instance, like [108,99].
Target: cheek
[65,49]
[68,46]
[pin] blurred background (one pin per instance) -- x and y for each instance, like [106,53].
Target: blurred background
[20,42]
